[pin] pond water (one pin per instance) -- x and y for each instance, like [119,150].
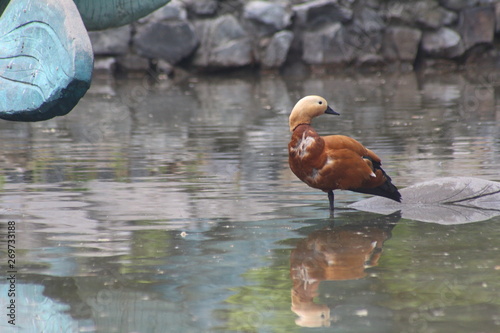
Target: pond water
[170,207]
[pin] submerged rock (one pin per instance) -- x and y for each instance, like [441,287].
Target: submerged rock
[449,200]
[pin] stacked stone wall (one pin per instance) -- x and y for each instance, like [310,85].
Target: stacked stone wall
[283,34]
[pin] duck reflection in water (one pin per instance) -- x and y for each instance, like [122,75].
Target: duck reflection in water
[332,254]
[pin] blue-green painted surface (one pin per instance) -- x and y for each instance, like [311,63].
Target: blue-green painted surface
[99,15]
[46,59]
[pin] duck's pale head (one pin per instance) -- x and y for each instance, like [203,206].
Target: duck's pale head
[306,109]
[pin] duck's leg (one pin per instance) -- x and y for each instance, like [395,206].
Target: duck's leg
[330,198]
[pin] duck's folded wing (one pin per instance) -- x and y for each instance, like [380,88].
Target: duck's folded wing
[337,142]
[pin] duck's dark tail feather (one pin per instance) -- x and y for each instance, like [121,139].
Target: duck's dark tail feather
[382,192]
[387,189]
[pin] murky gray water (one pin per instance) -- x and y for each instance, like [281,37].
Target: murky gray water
[171,208]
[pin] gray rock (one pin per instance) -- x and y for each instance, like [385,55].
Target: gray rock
[370,60]
[375,4]
[363,46]
[223,43]
[477,25]
[104,66]
[166,34]
[398,12]
[425,13]
[368,19]
[113,41]
[445,43]
[202,7]
[171,40]
[172,11]
[316,13]
[458,5]
[326,46]
[234,33]
[336,44]
[435,17]
[401,43]
[273,15]
[497,17]
[276,52]
[163,67]
[449,200]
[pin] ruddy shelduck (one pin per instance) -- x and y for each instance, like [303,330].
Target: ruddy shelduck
[333,162]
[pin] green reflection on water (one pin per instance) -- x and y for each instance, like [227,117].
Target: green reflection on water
[263,304]
[432,273]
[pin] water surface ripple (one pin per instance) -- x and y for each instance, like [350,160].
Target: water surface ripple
[170,207]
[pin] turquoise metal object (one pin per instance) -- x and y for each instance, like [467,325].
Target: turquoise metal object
[103,14]
[46,59]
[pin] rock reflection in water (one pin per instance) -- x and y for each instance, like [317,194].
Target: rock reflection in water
[333,254]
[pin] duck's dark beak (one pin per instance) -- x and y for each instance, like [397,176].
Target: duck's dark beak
[329,110]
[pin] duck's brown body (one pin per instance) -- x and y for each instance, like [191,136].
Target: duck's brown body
[336,161]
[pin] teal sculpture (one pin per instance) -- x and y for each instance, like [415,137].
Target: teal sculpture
[46,58]
[103,14]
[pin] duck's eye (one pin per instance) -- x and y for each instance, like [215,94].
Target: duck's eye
[320,102]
